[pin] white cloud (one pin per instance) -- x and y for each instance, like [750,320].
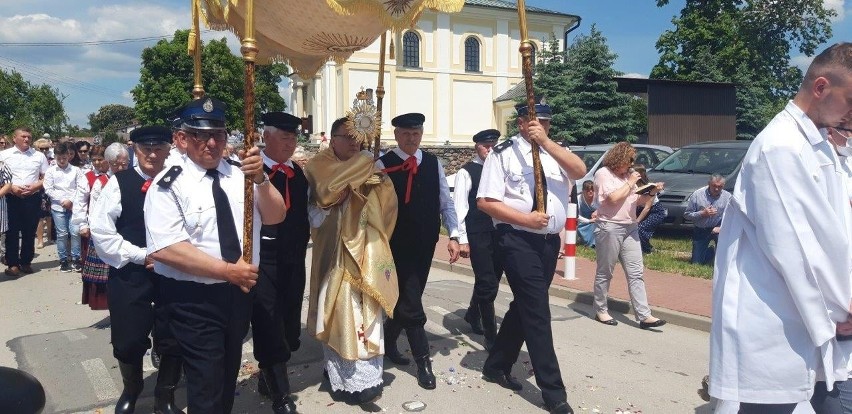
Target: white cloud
[635,76]
[801,61]
[838,6]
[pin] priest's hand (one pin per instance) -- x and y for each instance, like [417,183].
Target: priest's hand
[845,328]
[241,274]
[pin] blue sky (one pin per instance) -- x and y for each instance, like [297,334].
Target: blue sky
[93,76]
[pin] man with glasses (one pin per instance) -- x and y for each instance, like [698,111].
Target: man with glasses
[277,316]
[28,168]
[192,216]
[478,240]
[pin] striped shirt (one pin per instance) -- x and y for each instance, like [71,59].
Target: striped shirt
[5,178]
[700,199]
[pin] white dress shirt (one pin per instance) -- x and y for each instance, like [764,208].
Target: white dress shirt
[174,158]
[461,190]
[508,176]
[448,211]
[192,217]
[62,184]
[111,246]
[26,166]
[86,196]
[781,280]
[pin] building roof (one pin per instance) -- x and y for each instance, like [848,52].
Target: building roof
[640,85]
[516,92]
[510,5]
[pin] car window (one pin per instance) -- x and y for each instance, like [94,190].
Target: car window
[661,155]
[589,157]
[703,161]
[645,157]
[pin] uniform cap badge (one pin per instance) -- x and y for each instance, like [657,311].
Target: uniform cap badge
[208,106]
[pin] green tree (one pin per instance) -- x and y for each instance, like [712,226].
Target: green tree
[166,81]
[596,113]
[37,106]
[111,117]
[745,42]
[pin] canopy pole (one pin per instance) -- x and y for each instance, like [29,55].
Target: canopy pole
[249,51]
[380,95]
[195,49]
[527,65]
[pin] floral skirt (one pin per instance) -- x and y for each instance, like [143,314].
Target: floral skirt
[95,274]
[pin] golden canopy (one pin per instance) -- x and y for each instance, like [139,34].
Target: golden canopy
[307,33]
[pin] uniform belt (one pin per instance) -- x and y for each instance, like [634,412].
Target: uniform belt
[508,227]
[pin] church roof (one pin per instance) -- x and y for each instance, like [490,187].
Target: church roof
[510,5]
[513,94]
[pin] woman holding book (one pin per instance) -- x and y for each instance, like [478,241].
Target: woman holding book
[617,235]
[649,215]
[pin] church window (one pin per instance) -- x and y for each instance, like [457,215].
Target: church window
[471,54]
[411,50]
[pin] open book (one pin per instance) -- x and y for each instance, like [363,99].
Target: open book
[644,187]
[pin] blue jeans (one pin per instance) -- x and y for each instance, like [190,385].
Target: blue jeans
[702,253]
[62,224]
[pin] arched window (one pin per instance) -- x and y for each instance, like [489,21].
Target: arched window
[411,50]
[471,54]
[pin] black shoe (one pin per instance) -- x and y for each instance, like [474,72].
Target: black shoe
[279,389]
[28,269]
[425,377]
[370,395]
[655,324]
[64,267]
[611,321]
[131,376]
[168,377]
[473,317]
[502,379]
[562,408]
[76,266]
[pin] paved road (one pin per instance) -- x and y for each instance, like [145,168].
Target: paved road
[66,346]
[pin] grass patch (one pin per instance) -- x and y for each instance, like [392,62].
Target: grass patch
[672,250]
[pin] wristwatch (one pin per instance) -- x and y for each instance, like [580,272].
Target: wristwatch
[264,182]
[455,239]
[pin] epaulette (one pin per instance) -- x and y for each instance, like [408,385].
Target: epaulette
[503,145]
[170,176]
[233,162]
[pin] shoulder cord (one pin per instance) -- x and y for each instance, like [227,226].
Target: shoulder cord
[180,209]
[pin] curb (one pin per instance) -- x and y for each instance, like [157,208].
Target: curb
[674,317]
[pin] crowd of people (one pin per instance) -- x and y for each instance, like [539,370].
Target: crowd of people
[156,231]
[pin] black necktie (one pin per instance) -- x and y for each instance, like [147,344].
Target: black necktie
[543,187]
[229,241]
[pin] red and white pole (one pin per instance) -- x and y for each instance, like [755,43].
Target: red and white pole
[570,248]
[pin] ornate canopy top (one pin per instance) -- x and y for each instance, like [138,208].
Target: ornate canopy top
[306,34]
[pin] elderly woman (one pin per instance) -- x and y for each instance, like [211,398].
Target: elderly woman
[105,163]
[94,269]
[617,234]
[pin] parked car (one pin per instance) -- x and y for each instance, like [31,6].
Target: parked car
[689,169]
[592,156]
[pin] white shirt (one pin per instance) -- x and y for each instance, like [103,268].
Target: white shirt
[508,176]
[80,216]
[782,272]
[165,225]
[26,166]
[174,158]
[62,184]
[448,212]
[461,189]
[111,246]
[269,162]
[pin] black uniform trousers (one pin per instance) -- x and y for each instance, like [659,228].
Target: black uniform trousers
[485,262]
[131,291]
[293,277]
[209,322]
[412,271]
[23,216]
[529,261]
[272,308]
